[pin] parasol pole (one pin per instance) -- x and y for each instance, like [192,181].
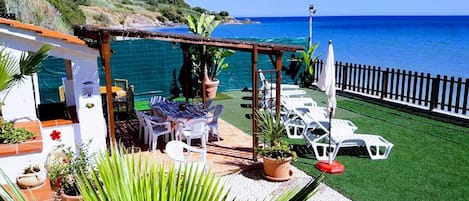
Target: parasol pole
[330,134]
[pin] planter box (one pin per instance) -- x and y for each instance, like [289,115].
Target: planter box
[43,192]
[30,146]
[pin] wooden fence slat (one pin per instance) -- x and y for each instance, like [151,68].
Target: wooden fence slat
[420,88]
[392,83]
[364,79]
[466,91]
[373,81]
[359,77]
[458,95]
[414,88]
[398,79]
[434,94]
[378,80]
[354,77]
[339,75]
[409,81]
[427,91]
[403,85]
[443,92]
[450,98]
[350,69]
[384,84]
[368,70]
[344,77]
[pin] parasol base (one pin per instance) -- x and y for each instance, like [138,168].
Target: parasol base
[333,168]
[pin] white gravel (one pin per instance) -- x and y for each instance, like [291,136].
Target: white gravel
[251,185]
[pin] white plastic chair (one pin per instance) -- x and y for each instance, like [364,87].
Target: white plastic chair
[175,150]
[156,129]
[141,124]
[194,129]
[213,125]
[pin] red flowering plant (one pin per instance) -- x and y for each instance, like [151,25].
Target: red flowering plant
[66,165]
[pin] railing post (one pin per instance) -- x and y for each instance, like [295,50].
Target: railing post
[384,84]
[434,93]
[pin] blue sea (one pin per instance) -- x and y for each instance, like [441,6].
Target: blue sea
[429,44]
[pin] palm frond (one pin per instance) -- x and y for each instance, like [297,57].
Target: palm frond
[30,63]
[7,69]
[129,177]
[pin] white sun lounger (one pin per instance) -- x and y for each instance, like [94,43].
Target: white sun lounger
[376,146]
[273,86]
[301,119]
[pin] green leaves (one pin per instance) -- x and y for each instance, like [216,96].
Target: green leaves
[29,64]
[202,26]
[130,177]
[309,59]
[11,135]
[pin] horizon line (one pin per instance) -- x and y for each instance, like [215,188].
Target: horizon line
[433,15]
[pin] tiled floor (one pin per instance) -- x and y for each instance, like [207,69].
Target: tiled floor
[231,154]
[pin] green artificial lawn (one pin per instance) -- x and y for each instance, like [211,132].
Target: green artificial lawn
[429,160]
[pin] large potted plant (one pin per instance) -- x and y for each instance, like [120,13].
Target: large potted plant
[206,62]
[275,151]
[64,168]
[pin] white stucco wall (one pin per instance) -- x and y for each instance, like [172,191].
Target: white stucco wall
[20,102]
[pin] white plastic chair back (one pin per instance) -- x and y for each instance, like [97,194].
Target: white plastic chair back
[198,127]
[175,150]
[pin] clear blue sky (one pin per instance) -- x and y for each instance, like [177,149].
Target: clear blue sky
[255,8]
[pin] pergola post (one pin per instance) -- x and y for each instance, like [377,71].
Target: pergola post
[105,49]
[278,71]
[255,99]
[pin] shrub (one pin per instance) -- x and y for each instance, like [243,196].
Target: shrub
[11,135]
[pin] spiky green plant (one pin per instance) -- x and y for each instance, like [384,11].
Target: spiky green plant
[11,192]
[131,177]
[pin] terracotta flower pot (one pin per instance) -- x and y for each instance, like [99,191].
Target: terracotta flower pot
[277,170]
[66,197]
[211,88]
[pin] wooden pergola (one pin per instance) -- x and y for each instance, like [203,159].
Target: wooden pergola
[102,37]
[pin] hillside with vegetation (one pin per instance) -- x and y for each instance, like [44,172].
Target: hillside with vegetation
[60,15]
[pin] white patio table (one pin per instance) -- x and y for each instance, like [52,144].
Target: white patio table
[176,111]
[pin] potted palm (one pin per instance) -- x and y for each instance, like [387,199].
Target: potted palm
[276,152]
[207,61]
